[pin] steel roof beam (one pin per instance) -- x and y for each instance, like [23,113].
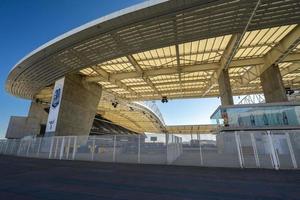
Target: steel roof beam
[161,71]
[277,54]
[235,42]
[230,51]
[191,68]
[141,72]
[105,76]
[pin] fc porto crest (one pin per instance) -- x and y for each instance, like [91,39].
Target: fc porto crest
[56,98]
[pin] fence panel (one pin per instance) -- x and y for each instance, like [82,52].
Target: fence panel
[264,151]
[294,140]
[83,147]
[34,146]
[188,150]
[104,149]
[221,151]
[45,147]
[68,148]
[55,147]
[249,149]
[282,149]
[126,149]
[153,149]
[24,147]
[2,146]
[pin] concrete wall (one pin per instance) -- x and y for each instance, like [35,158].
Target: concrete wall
[272,85]
[16,127]
[78,106]
[36,116]
[24,126]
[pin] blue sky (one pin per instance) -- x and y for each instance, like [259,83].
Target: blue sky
[25,25]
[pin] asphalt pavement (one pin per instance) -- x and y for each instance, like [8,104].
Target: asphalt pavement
[38,179]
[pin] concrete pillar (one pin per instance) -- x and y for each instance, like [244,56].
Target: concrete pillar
[78,106]
[37,116]
[272,85]
[20,127]
[225,88]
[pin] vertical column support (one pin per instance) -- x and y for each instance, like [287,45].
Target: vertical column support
[1,146]
[200,149]
[238,145]
[167,148]
[39,146]
[273,153]
[68,147]
[93,148]
[74,147]
[255,150]
[6,146]
[12,146]
[56,147]
[27,152]
[19,149]
[272,85]
[51,147]
[291,150]
[62,148]
[139,149]
[114,150]
[225,88]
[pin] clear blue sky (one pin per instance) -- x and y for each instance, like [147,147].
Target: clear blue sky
[25,25]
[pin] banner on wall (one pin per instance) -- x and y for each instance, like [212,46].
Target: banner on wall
[54,106]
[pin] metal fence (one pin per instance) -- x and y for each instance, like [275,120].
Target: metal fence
[259,149]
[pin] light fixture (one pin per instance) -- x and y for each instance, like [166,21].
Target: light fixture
[164,99]
[114,104]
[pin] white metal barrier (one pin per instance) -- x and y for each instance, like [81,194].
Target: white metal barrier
[259,149]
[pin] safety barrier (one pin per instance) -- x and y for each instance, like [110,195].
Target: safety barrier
[255,149]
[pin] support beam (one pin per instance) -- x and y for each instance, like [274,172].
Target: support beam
[161,71]
[73,107]
[273,88]
[228,55]
[141,72]
[178,64]
[105,76]
[277,54]
[296,80]
[283,48]
[225,88]
[229,52]
[194,94]
[185,69]
[235,42]
[290,69]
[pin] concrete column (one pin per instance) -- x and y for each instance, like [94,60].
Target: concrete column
[24,126]
[272,85]
[78,106]
[225,88]
[36,117]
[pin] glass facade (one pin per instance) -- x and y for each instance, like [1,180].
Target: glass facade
[258,115]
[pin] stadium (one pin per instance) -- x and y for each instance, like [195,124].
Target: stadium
[93,89]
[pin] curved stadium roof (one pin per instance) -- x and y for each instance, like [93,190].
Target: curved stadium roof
[171,48]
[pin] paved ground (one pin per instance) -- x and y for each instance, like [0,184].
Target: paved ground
[22,178]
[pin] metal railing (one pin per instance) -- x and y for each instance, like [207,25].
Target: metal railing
[252,99]
[255,149]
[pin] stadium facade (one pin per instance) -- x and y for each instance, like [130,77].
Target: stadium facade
[160,50]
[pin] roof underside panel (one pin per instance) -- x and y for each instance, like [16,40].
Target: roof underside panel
[170,48]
